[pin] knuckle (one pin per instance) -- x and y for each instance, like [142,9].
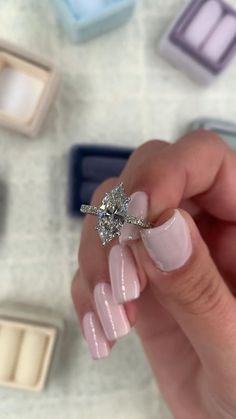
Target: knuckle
[151,144]
[198,294]
[147,148]
[207,138]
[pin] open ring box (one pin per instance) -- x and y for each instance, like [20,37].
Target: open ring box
[28,85]
[89,166]
[202,39]
[29,342]
[86,19]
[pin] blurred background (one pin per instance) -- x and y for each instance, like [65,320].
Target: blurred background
[117,90]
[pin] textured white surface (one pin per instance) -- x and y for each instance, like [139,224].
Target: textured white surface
[114,89]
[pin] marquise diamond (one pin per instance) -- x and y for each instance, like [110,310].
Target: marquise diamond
[112,214]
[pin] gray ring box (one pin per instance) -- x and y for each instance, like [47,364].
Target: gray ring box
[226,130]
[34,69]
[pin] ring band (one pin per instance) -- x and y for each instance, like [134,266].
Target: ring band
[129,219]
[113,214]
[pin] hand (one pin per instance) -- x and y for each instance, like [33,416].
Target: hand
[174,282]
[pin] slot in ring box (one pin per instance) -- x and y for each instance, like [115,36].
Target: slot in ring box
[205,51]
[84,179]
[43,323]
[28,85]
[84,27]
[226,130]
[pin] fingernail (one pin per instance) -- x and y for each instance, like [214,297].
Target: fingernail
[123,273]
[95,338]
[112,315]
[169,245]
[138,207]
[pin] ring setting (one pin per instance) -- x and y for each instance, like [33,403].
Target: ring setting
[113,214]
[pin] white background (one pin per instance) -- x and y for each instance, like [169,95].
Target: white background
[115,89]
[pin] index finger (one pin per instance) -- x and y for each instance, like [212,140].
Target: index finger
[200,166]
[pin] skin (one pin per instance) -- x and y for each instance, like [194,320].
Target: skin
[186,319]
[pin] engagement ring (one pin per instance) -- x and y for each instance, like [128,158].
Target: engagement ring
[113,214]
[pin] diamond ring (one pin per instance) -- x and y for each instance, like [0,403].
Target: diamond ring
[113,214]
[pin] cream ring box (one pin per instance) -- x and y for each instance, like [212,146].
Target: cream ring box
[28,343]
[202,40]
[28,85]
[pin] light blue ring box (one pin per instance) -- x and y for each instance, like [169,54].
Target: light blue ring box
[82,29]
[226,130]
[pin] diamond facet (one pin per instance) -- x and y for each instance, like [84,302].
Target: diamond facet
[112,214]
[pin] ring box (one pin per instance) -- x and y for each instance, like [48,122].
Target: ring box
[90,165]
[28,85]
[86,19]
[29,342]
[202,40]
[226,130]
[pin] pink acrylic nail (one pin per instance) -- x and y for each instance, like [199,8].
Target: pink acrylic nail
[138,207]
[123,274]
[95,337]
[169,245]
[112,315]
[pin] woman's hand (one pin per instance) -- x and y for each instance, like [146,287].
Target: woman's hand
[174,282]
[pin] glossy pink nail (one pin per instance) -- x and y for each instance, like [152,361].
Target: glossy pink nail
[112,315]
[169,245]
[123,274]
[95,337]
[138,207]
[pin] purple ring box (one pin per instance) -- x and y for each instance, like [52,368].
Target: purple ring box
[180,52]
[90,165]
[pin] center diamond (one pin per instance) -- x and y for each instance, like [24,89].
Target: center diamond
[112,214]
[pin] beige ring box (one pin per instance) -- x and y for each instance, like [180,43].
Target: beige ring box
[29,345]
[28,86]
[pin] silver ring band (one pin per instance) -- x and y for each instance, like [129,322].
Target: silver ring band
[129,219]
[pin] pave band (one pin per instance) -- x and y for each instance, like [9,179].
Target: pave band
[129,219]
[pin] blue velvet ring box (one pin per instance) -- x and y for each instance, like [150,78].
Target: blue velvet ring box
[226,130]
[90,165]
[86,19]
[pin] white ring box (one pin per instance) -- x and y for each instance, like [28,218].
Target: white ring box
[28,85]
[29,344]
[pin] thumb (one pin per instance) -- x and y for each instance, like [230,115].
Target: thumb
[187,283]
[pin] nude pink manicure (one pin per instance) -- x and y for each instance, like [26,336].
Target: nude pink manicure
[123,273]
[95,337]
[169,245]
[112,316]
[138,207]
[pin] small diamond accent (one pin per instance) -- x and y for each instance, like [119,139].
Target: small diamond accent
[112,214]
